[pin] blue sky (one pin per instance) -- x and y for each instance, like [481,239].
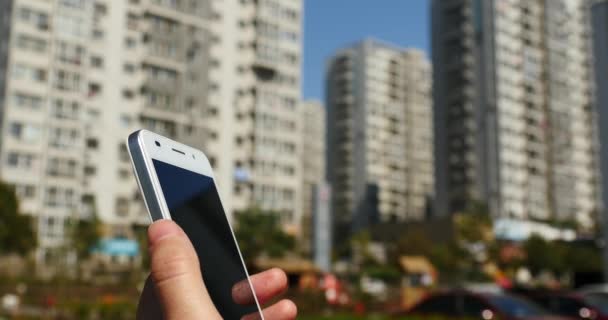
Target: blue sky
[332,24]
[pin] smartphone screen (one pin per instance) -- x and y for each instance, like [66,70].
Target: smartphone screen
[195,205]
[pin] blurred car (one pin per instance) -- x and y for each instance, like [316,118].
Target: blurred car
[595,288]
[483,305]
[579,305]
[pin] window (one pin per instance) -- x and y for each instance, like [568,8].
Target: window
[28,101]
[161,24]
[92,115]
[125,120]
[123,154]
[97,62]
[70,26]
[25,72]
[92,143]
[130,43]
[25,132]
[16,129]
[161,74]
[129,68]
[189,130]
[159,99]
[122,207]
[166,3]
[100,9]
[128,94]
[12,160]
[63,138]
[124,174]
[94,89]
[190,102]
[33,17]
[39,75]
[69,53]
[90,171]
[75,4]
[25,191]
[59,167]
[20,160]
[66,81]
[63,109]
[59,197]
[52,227]
[98,34]
[163,48]
[132,21]
[31,43]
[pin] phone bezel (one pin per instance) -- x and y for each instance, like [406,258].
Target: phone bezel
[142,149]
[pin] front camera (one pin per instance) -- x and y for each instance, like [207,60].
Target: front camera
[157,143]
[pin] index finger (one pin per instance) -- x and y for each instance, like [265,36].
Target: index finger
[267,285]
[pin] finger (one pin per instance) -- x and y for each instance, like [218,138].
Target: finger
[176,274]
[282,310]
[267,285]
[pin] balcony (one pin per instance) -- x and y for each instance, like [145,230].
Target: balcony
[264,70]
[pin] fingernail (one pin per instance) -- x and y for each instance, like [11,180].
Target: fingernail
[238,288]
[162,229]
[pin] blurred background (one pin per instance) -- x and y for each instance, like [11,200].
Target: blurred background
[396,158]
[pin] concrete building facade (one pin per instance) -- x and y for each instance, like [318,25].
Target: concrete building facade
[513,108]
[313,159]
[600,49]
[77,76]
[267,139]
[379,135]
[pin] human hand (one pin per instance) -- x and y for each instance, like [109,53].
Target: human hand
[178,281]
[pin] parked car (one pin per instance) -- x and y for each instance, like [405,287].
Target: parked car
[483,305]
[579,305]
[594,288]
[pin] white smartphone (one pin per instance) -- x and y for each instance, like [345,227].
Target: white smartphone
[177,183]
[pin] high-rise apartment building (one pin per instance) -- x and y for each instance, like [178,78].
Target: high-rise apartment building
[44,100]
[512,107]
[267,147]
[600,49]
[379,134]
[313,158]
[77,76]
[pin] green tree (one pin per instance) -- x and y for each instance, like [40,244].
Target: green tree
[16,230]
[582,259]
[141,235]
[473,225]
[543,255]
[85,234]
[414,243]
[259,232]
[360,243]
[449,258]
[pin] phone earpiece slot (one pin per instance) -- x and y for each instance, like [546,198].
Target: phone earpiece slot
[178,151]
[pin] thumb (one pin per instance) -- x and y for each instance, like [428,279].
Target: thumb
[176,274]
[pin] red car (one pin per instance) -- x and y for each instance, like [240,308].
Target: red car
[486,306]
[584,305]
